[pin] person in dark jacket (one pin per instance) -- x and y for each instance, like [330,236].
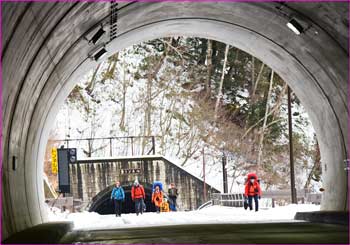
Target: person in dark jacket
[138,196]
[172,194]
[252,191]
[118,196]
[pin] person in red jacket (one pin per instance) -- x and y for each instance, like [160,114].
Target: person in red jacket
[138,196]
[252,190]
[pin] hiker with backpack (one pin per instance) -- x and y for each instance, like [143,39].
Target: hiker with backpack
[172,193]
[157,195]
[138,196]
[118,197]
[157,198]
[252,191]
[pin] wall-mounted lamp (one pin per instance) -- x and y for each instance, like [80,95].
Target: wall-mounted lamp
[97,36]
[295,26]
[100,54]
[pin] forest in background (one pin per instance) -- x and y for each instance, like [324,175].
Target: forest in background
[202,99]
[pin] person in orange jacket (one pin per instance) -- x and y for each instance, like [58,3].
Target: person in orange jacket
[157,198]
[252,190]
[138,196]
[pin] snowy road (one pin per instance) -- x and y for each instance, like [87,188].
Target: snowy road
[210,215]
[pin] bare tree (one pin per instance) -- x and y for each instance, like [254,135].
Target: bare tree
[209,67]
[261,145]
[220,94]
[273,111]
[125,85]
[151,76]
[257,82]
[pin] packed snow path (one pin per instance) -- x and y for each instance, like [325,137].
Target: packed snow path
[210,215]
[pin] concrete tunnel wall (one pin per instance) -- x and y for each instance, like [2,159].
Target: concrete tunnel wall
[44,53]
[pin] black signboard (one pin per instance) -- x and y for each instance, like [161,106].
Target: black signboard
[65,157]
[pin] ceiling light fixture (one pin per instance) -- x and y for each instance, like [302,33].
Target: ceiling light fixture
[100,54]
[294,25]
[97,36]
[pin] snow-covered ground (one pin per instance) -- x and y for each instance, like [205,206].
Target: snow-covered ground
[209,215]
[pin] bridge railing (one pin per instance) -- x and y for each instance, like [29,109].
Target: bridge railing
[268,200]
[206,204]
[112,146]
[229,200]
[303,196]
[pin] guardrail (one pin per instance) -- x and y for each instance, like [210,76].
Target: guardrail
[206,204]
[65,203]
[302,196]
[269,198]
[230,200]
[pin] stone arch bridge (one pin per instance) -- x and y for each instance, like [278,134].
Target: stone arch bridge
[92,181]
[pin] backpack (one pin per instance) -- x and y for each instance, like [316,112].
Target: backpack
[250,175]
[157,183]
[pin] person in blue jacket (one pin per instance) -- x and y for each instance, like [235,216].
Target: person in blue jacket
[118,197]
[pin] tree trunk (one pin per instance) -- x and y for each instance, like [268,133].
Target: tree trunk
[279,100]
[315,167]
[209,67]
[122,117]
[149,104]
[257,82]
[148,108]
[220,94]
[253,70]
[273,110]
[91,84]
[261,145]
[232,71]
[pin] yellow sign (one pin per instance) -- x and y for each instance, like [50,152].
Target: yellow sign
[54,164]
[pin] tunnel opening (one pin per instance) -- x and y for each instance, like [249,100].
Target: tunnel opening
[102,203]
[25,134]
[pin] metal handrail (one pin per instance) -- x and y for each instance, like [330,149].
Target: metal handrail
[206,204]
[107,138]
[131,141]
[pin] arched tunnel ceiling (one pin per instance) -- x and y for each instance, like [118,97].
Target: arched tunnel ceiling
[45,52]
[333,17]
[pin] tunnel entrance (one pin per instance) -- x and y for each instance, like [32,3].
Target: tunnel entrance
[27,119]
[102,203]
